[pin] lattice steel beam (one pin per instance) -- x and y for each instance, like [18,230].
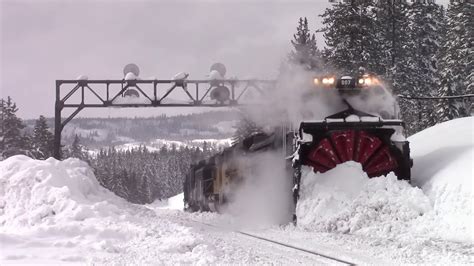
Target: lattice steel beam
[106,92]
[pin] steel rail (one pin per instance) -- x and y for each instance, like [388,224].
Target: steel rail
[319,254]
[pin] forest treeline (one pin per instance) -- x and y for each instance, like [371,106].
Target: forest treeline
[104,132]
[418,47]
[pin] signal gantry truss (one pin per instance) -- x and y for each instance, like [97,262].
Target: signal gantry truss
[80,94]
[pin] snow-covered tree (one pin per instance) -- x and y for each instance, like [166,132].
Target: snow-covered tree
[350,31]
[415,65]
[305,51]
[76,150]
[457,59]
[12,140]
[42,139]
[393,36]
[141,176]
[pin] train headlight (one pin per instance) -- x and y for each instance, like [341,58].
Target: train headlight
[368,81]
[329,81]
[316,81]
[361,81]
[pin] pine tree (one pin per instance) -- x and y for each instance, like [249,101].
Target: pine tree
[457,60]
[350,30]
[305,51]
[393,35]
[12,140]
[415,67]
[426,30]
[77,150]
[42,139]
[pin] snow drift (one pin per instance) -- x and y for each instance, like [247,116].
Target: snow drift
[443,167]
[345,200]
[36,192]
[52,212]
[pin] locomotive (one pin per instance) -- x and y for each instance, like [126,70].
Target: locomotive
[375,140]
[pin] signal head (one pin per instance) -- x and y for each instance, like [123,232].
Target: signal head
[131,68]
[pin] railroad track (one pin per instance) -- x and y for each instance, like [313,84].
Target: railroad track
[327,258]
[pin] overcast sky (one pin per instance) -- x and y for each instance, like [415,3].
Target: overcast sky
[42,41]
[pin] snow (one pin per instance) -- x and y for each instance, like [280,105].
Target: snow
[369,119]
[345,200]
[443,158]
[439,206]
[214,74]
[214,142]
[433,215]
[53,205]
[130,76]
[82,77]
[157,144]
[173,203]
[97,134]
[180,76]
[352,118]
[55,212]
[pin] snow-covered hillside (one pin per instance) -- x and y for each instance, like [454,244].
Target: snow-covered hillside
[56,212]
[157,144]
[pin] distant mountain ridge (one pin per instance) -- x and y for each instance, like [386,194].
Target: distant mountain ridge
[103,132]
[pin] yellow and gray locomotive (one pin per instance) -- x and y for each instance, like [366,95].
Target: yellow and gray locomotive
[211,183]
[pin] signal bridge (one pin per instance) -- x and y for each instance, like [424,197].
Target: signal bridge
[134,92]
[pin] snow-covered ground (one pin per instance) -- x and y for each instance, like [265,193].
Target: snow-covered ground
[157,144]
[56,212]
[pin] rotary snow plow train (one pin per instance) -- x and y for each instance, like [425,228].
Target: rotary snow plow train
[375,140]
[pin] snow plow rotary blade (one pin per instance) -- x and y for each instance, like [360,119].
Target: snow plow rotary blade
[369,141]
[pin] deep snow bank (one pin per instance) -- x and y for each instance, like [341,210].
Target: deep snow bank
[346,200]
[443,167]
[52,212]
[34,192]
[174,203]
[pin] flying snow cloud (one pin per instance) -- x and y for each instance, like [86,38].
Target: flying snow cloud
[264,196]
[295,99]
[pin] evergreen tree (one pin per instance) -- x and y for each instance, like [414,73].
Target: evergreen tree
[427,29]
[415,69]
[305,51]
[141,176]
[457,60]
[77,150]
[393,36]
[12,140]
[350,30]
[42,139]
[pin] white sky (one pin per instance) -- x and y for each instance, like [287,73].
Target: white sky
[42,41]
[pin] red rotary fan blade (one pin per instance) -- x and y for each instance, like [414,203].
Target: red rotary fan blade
[347,145]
